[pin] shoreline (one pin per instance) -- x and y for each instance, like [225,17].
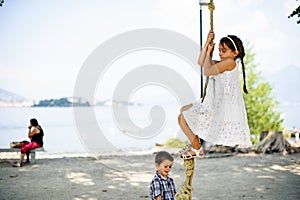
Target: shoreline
[45,155]
[150,151]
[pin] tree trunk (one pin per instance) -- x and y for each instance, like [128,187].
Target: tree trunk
[271,141]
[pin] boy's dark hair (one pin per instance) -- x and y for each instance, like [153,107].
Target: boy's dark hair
[239,45]
[162,156]
[34,122]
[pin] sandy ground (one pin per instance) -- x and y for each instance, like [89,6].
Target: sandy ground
[120,176]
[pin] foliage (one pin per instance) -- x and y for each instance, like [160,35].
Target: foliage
[1,3]
[295,12]
[260,102]
[175,143]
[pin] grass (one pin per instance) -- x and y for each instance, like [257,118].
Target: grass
[175,143]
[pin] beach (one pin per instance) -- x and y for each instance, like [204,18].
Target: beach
[123,175]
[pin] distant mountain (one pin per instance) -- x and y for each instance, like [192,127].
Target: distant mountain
[10,97]
[286,84]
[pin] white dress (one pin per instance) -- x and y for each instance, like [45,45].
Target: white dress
[221,118]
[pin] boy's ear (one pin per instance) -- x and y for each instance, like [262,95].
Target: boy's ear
[156,165]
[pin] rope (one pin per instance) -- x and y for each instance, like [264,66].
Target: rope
[185,191]
[211,8]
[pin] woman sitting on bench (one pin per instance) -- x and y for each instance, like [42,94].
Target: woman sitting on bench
[35,134]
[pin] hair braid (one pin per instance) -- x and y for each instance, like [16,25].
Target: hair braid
[244,77]
[241,55]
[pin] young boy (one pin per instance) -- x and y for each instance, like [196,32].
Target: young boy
[162,186]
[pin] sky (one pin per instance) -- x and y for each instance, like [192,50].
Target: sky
[43,44]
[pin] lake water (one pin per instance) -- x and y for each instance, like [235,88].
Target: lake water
[291,115]
[62,134]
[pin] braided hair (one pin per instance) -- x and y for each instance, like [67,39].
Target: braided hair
[241,55]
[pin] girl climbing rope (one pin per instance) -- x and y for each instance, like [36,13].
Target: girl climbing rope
[220,117]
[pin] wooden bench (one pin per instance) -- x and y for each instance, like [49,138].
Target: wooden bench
[32,152]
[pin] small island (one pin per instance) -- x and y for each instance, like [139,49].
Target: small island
[63,102]
[80,102]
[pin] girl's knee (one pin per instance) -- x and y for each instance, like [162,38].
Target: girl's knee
[184,108]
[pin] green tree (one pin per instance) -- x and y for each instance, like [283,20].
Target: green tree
[295,12]
[260,102]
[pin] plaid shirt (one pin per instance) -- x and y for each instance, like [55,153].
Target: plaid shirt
[161,186]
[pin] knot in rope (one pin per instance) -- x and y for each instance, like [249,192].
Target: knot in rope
[211,6]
